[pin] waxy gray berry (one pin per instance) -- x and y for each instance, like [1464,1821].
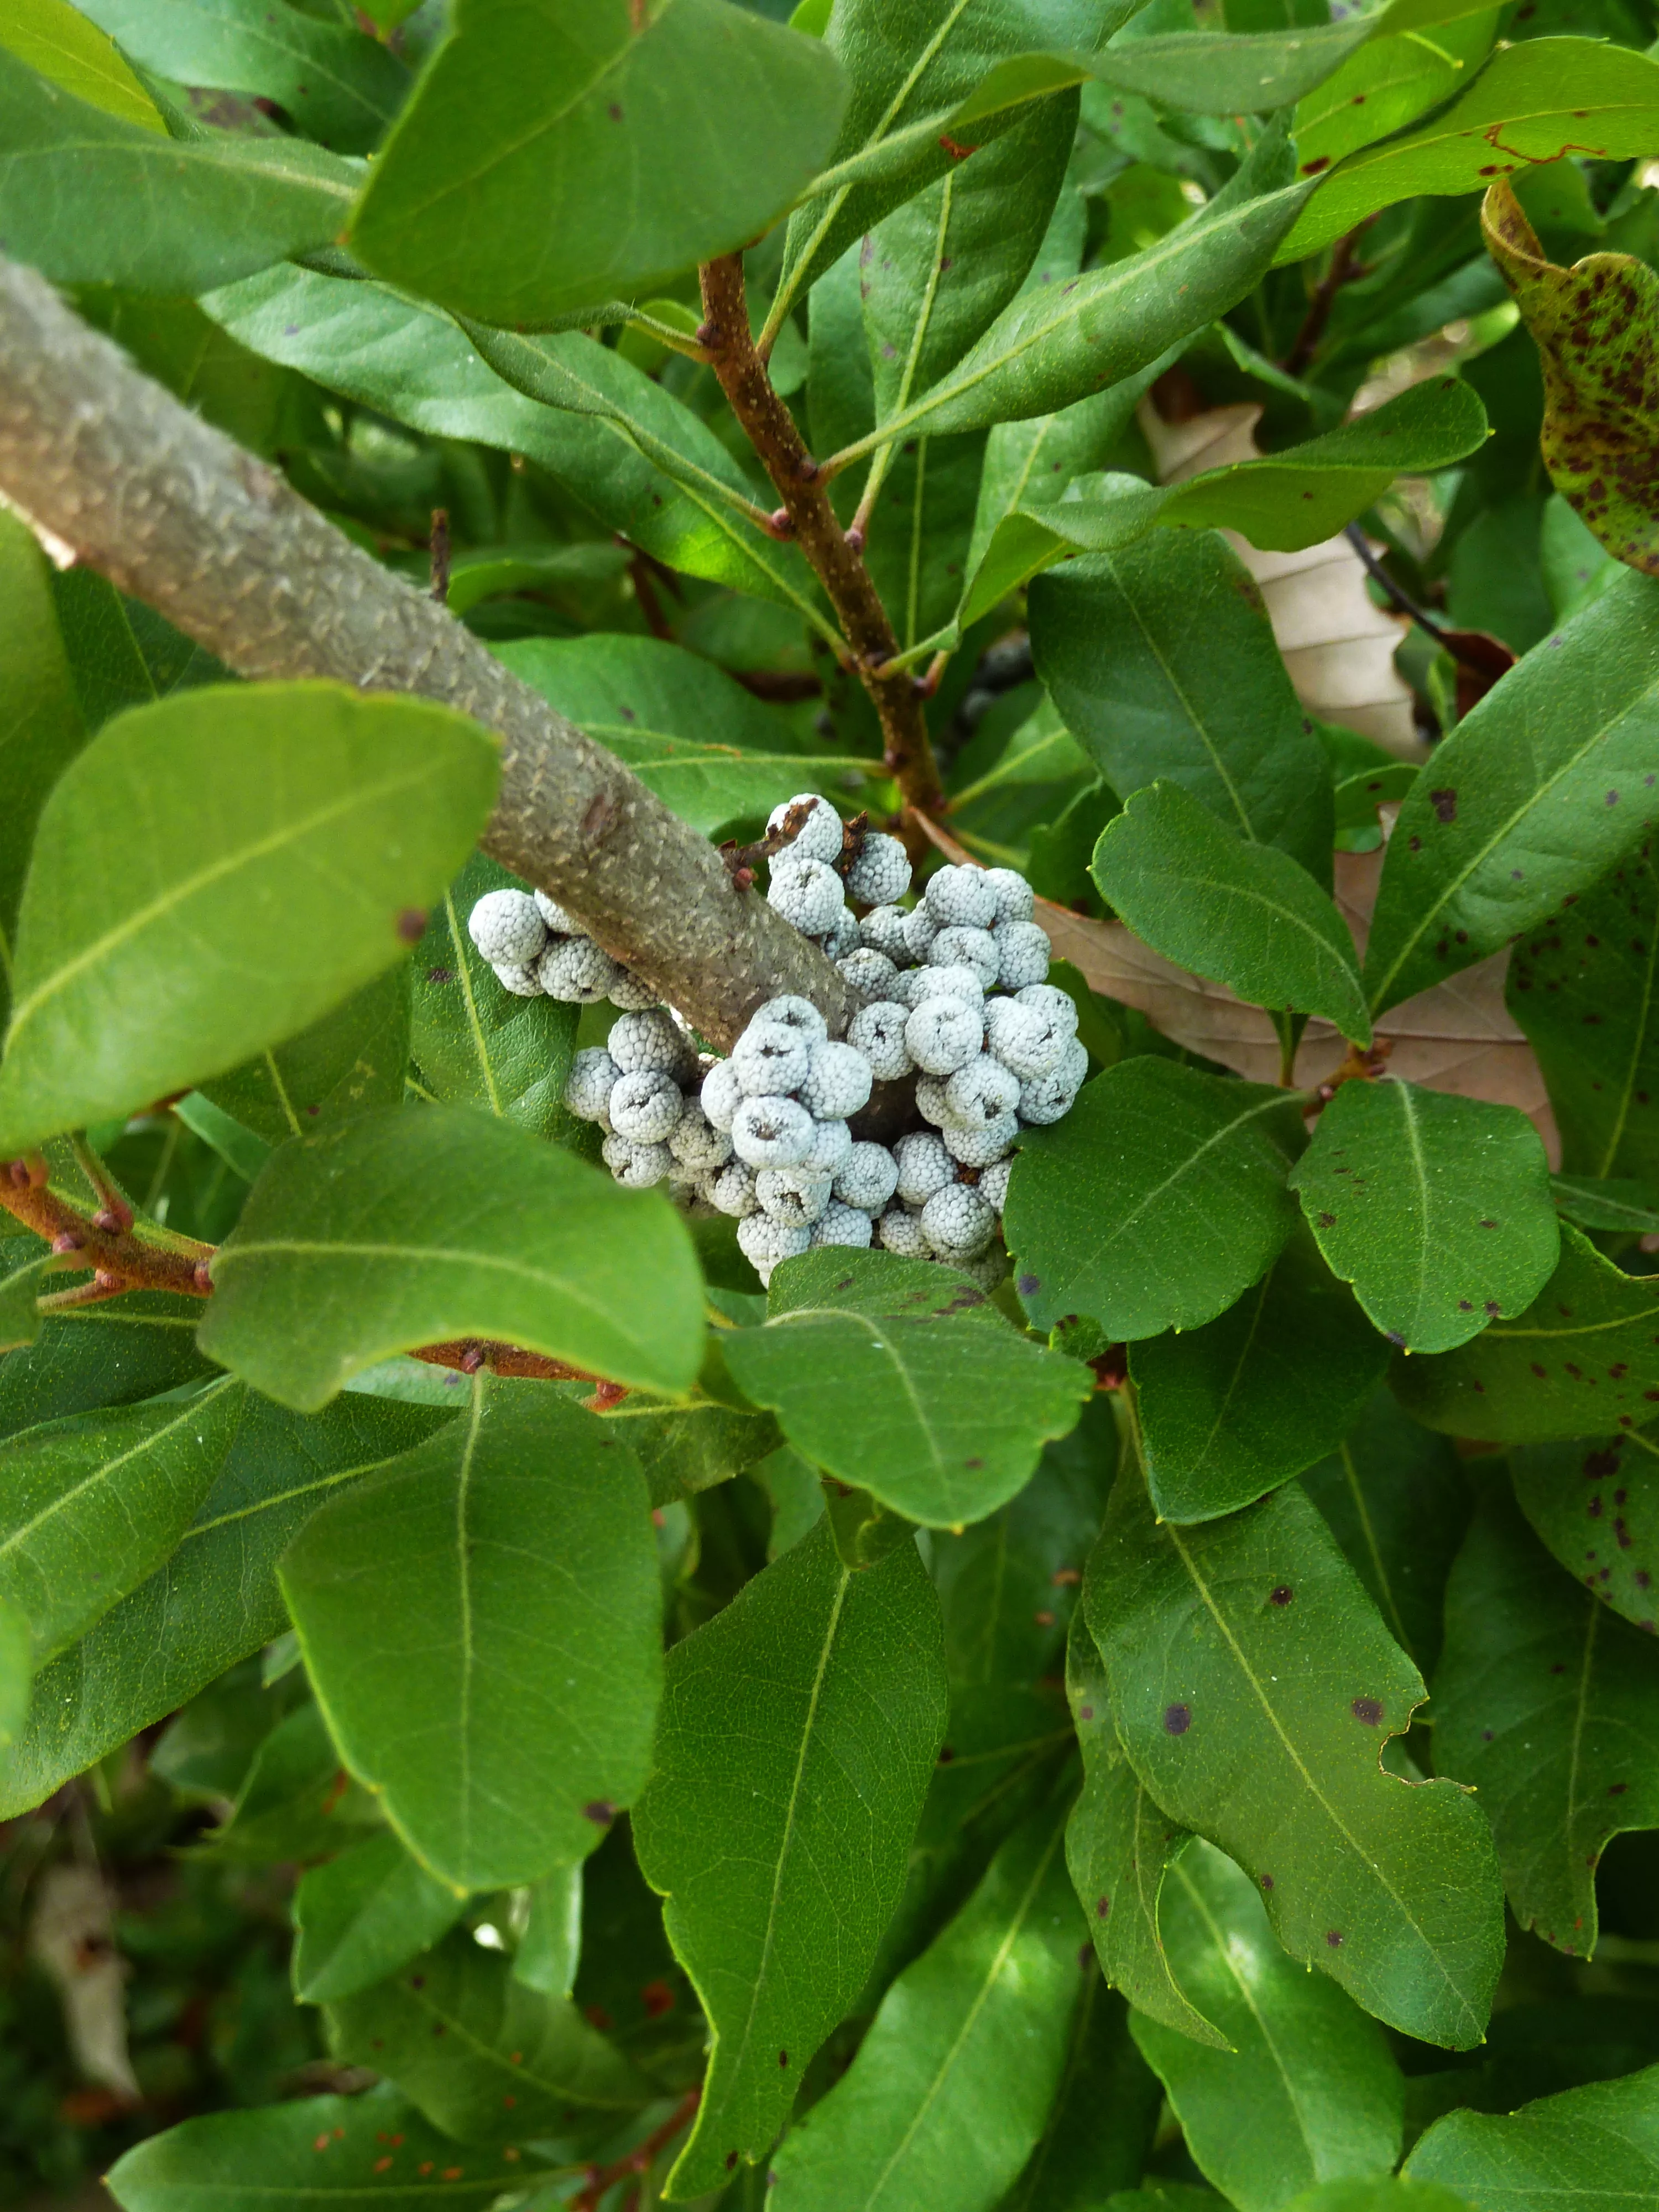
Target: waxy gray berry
[1027,1041]
[523,983]
[868,1179]
[650,1039]
[1022,951]
[793,1194]
[559,919]
[1013,895]
[645,1107]
[791,1012]
[868,975]
[943,1035]
[806,893]
[506,925]
[594,1076]
[764,1242]
[769,1059]
[771,1133]
[958,1221]
[697,1142]
[837,1082]
[982,1093]
[924,1167]
[960,897]
[883,930]
[899,1230]
[573,970]
[993,1182]
[966,948]
[820,836]
[878,1031]
[978,1147]
[733,1190]
[634,1166]
[832,1146]
[722,1094]
[881,872]
[843,1224]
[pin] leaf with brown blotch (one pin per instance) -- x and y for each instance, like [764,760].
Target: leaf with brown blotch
[1595,325]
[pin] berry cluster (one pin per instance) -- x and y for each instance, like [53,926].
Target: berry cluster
[950,992]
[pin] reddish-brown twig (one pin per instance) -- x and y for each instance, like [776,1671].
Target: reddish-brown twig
[640,2159]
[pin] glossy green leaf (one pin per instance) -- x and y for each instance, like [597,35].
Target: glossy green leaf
[798,1737]
[375,2148]
[1225,72]
[1437,1209]
[1587,2150]
[1538,791]
[1155,1203]
[93,1503]
[1619,1202]
[215,1600]
[947,2096]
[360,1916]
[899,1376]
[599,424]
[1583,984]
[481,1622]
[1310,2090]
[1393,1497]
[352,1060]
[706,746]
[1391,2194]
[40,725]
[59,42]
[1596,1503]
[239,1148]
[337,86]
[1245,914]
[1104,2113]
[1161,662]
[122,653]
[1394,77]
[1230,1410]
[549,162]
[1534,102]
[291,1804]
[486,2059]
[89,197]
[549,1948]
[143,967]
[495,1235]
[1254,1686]
[1584,1354]
[1549,1705]
[107,1354]
[1120,1850]
[23,1264]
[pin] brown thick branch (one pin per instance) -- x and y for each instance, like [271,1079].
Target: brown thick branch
[100,457]
[771,430]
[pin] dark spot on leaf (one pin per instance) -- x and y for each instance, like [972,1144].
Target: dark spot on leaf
[973,1462]
[1178,1719]
[1485,1735]
[945,1754]
[1266,1881]
[1028,1283]
[1103,1907]
[730,2160]
[783,2058]
[1368,1710]
[1444,803]
[1327,1221]
[1282,1595]
[1394,1337]
[1617,1788]
[412,925]
[614,112]
[441,974]
[601,1813]
[1334,1937]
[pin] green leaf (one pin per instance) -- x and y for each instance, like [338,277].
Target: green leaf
[1397,75]
[147,963]
[1104,2113]
[706,746]
[291,1804]
[1310,2090]
[550,1947]
[798,1737]
[21,1285]
[1161,662]
[482,1625]
[1584,987]
[475,1042]
[1393,1497]
[107,1354]
[1230,1410]
[59,42]
[90,198]
[1244,914]
[14,1688]
[1390,2194]
[458,1225]
[93,1505]
[360,1916]
[1120,1850]
[486,2059]
[333,83]
[351,1062]
[243,1152]
[1254,1686]
[947,2096]
[122,653]
[1621,1203]
[373,2148]
[1437,1209]
[40,725]
[1587,2150]
[899,1376]
[545,163]
[1225,73]
[1596,1503]
[1538,791]
[215,1600]
[1155,1203]
[598,423]
[1532,103]
[1548,1706]
[1583,1351]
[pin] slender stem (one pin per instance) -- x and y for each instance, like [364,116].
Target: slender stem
[665,334]
[639,2159]
[1343,269]
[771,430]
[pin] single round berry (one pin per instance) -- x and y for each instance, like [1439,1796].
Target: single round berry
[837,1082]
[765,1242]
[957,1222]
[793,1194]
[843,1224]
[1027,1041]
[883,930]
[697,1142]
[868,975]
[772,1133]
[960,898]
[868,1178]
[899,1230]
[633,993]
[924,1167]
[931,1103]
[881,872]
[523,983]
[732,1190]
[966,948]
[877,1032]
[637,1166]
[921,926]
[722,1094]
[1050,1097]
[980,1147]
[911,986]
[559,919]
[1048,998]
[573,970]
[505,925]
[806,893]
[943,1035]
[791,1012]
[820,836]
[832,1146]
[770,1060]
[1012,893]
[951,981]
[645,1107]
[651,1039]
[993,1185]
[593,1075]
[1023,951]
[841,938]
[987,1271]
[981,1093]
